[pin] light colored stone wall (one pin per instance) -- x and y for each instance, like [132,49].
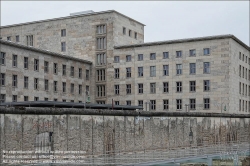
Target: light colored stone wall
[219,66]
[20,91]
[235,79]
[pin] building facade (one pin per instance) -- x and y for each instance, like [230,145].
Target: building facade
[31,74]
[207,74]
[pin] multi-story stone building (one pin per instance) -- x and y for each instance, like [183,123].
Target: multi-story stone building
[208,74]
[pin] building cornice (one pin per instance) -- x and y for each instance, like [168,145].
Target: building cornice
[68,17]
[9,43]
[184,41]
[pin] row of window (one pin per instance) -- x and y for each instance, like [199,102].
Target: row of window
[26,98]
[243,106]
[165,87]
[179,104]
[36,84]
[243,72]
[243,89]
[206,51]
[29,39]
[244,58]
[124,31]
[165,70]
[46,66]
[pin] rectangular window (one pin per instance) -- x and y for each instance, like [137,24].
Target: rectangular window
[206,67]
[36,83]
[14,98]
[55,68]
[2,58]
[2,79]
[117,73]
[55,99]
[152,56]
[80,89]
[26,98]
[178,86]
[46,85]
[243,69]
[153,104]
[192,68]
[140,71]
[36,98]
[117,89]
[80,73]
[165,105]
[100,75]
[100,90]
[72,88]
[63,46]
[64,87]
[46,99]
[9,38]
[135,35]
[124,30]
[178,69]
[192,86]
[128,58]
[26,82]
[36,65]
[116,59]
[140,57]
[206,85]
[46,66]
[140,103]
[179,104]
[26,62]
[239,87]
[64,70]
[152,88]
[117,103]
[165,87]
[55,86]
[101,29]
[152,71]
[206,103]
[101,58]
[192,104]
[101,43]
[128,102]
[128,72]
[192,52]
[17,38]
[129,32]
[140,88]
[14,60]
[165,70]
[239,55]
[14,80]
[243,57]
[165,55]
[72,71]
[72,101]
[100,102]
[2,98]
[29,40]
[206,51]
[63,32]
[240,70]
[178,54]
[128,88]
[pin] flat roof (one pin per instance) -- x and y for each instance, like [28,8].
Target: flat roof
[184,41]
[10,43]
[67,17]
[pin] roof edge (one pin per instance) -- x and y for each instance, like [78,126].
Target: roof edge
[43,51]
[185,40]
[66,17]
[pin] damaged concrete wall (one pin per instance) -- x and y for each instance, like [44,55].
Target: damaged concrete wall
[105,134]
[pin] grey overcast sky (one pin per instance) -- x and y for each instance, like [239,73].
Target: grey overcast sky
[164,20]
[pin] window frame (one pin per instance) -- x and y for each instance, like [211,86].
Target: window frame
[152,56]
